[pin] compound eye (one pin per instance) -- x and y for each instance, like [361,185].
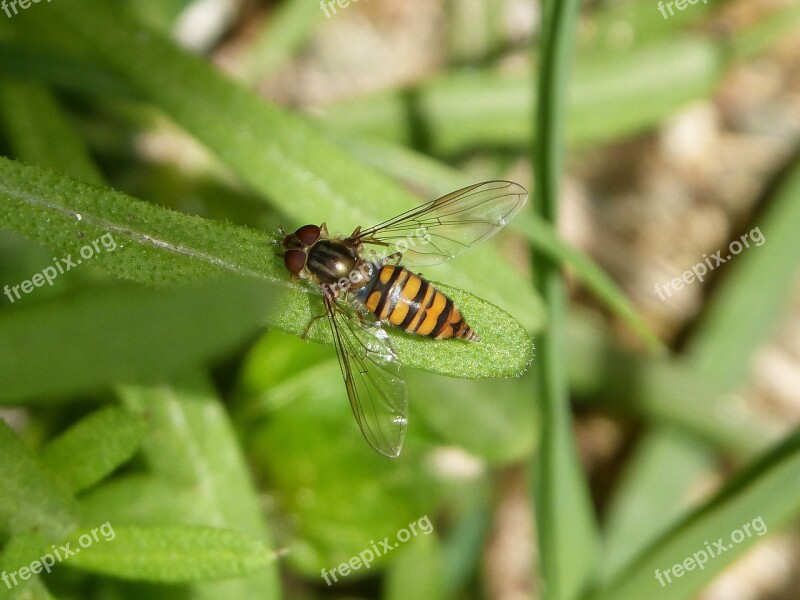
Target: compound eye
[308,234]
[294,260]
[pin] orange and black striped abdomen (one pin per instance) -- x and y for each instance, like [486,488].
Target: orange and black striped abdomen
[408,301]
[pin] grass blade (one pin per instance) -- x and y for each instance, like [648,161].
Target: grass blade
[766,497]
[567,530]
[748,305]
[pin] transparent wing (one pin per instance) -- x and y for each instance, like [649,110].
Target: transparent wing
[449,226]
[373,378]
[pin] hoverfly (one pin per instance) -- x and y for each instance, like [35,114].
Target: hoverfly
[363,291]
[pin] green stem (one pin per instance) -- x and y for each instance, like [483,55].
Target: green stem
[565,521]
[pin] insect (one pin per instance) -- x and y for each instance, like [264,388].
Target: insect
[364,288]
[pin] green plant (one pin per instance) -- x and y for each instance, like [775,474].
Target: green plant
[166,391]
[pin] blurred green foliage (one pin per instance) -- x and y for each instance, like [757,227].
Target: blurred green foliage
[160,405]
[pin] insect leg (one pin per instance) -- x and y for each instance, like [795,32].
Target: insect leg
[396,257]
[311,322]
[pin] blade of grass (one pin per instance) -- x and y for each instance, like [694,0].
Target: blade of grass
[617,98]
[289,26]
[664,391]
[768,490]
[655,491]
[749,303]
[567,530]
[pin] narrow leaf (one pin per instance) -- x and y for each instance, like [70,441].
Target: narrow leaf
[177,554]
[567,530]
[147,243]
[280,155]
[192,444]
[30,498]
[93,447]
[762,499]
[750,301]
[40,134]
[20,551]
[45,347]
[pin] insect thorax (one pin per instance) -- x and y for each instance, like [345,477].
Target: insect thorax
[331,260]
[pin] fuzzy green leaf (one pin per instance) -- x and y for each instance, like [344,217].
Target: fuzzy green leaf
[192,444]
[126,333]
[176,554]
[93,447]
[155,245]
[30,497]
[282,156]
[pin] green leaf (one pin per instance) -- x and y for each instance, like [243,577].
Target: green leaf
[37,61]
[154,245]
[301,433]
[93,448]
[30,497]
[168,554]
[140,241]
[192,444]
[45,347]
[142,499]
[765,498]
[567,530]
[20,551]
[754,296]
[501,431]
[657,487]
[618,96]
[280,155]
[416,572]
[40,133]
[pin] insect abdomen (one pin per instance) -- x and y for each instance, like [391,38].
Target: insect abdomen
[408,301]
